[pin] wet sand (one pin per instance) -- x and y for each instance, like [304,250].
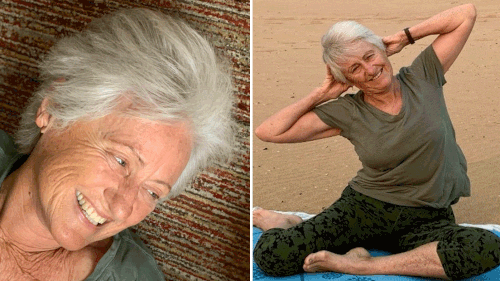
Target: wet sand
[287,65]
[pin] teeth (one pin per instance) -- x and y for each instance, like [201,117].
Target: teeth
[88,210]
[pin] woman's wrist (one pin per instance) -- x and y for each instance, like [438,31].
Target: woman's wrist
[408,35]
[404,37]
[318,96]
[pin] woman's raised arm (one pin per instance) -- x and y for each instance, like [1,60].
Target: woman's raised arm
[296,122]
[453,27]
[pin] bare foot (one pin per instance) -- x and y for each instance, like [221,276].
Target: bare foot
[351,262]
[266,219]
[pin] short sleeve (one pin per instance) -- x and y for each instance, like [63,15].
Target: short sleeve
[428,67]
[128,259]
[8,154]
[337,113]
[7,146]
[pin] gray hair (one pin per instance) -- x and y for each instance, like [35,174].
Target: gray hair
[164,66]
[340,38]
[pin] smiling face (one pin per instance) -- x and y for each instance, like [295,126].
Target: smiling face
[367,67]
[97,178]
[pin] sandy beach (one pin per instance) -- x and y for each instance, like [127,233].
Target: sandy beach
[287,65]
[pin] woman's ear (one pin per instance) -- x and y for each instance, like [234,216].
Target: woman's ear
[43,119]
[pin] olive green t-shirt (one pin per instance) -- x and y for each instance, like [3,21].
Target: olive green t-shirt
[412,158]
[128,259]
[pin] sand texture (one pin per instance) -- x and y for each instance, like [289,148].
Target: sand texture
[287,65]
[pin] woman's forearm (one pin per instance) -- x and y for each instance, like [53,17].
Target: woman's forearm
[453,27]
[444,22]
[281,122]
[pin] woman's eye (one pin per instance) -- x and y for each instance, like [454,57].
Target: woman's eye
[154,195]
[120,161]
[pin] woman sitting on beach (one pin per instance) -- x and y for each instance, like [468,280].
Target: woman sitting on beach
[412,168]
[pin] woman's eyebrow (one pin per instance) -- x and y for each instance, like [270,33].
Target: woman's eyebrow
[164,184]
[134,151]
[368,53]
[131,148]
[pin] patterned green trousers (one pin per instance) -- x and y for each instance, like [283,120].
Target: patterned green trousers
[357,220]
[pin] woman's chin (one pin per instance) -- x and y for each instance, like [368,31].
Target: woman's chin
[70,237]
[72,243]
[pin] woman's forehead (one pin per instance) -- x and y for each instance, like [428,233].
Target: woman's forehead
[131,131]
[354,52]
[358,48]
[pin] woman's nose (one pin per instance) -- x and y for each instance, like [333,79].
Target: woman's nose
[121,201]
[370,69]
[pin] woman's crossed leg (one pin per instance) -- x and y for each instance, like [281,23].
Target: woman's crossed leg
[428,243]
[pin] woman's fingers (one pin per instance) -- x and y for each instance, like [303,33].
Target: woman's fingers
[393,44]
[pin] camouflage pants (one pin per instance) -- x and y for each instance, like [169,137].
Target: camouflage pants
[356,220]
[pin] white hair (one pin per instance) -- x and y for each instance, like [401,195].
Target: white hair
[164,66]
[339,39]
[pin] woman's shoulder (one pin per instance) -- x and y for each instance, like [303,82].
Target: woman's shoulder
[353,100]
[343,105]
[8,154]
[127,256]
[348,99]
[7,145]
[425,67]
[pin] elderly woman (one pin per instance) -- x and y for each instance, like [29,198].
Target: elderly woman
[412,168]
[128,112]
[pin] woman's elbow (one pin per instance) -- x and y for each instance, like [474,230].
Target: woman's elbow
[471,11]
[263,134]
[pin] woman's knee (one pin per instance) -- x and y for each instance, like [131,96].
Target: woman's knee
[469,252]
[277,256]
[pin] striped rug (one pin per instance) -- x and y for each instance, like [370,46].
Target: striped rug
[203,234]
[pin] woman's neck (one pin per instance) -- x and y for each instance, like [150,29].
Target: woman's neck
[20,224]
[389,101]
[27,249]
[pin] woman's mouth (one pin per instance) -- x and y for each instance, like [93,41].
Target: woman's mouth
[88,210]
[378,74]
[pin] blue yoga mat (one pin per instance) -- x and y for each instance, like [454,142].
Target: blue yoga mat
[259,275]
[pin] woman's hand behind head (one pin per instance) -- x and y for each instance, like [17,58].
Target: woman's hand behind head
[332,88]
[394,43]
